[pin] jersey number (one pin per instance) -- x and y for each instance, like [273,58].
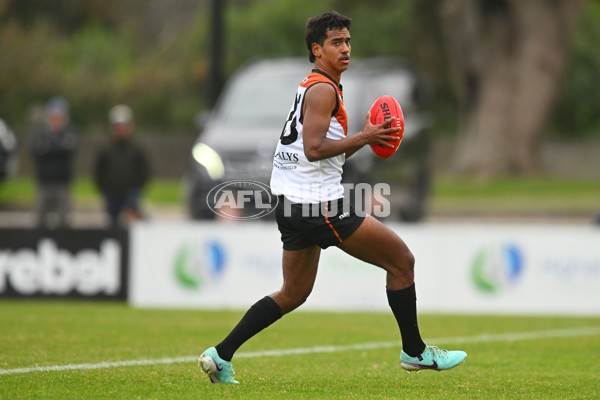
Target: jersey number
[291,121]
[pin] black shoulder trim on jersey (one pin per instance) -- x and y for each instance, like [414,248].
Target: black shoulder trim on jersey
[336,84]
[337,100]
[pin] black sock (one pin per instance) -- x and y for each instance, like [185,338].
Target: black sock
[404,306]
[262,314]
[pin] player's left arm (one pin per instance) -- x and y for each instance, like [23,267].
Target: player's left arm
[368,126]
[319,102]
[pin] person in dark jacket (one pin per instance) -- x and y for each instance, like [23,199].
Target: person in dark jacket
[8,152]
[52,146]
[121,169]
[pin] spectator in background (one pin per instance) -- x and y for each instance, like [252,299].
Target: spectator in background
[53,145]
[8,151]
[121,169]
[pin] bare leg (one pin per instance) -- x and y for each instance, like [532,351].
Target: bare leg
[299,274]
[376,244]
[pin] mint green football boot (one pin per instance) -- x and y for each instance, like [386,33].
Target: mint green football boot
[432,358]
[217,369]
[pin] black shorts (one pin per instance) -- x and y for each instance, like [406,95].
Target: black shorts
[305,225]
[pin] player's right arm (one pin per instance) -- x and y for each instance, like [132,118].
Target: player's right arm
[319,103]
[368,127]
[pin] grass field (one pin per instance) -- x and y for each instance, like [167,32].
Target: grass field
[509,357]
[20,192]
[520,195]
[447,194]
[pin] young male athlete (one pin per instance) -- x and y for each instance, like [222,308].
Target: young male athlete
[315,143]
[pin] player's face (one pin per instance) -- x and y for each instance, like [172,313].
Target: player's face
[335,52]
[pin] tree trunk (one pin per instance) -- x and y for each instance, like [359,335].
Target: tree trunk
[508,56]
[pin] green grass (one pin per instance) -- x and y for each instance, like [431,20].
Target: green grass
[58,333]
[521,195]
[20,192]
[526,195]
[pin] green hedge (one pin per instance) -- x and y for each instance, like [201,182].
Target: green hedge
[98,53]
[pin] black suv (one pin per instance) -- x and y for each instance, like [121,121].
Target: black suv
[238,137]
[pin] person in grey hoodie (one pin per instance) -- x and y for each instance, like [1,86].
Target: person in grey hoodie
[53,145]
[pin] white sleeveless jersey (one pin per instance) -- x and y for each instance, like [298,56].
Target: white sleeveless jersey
[300,180]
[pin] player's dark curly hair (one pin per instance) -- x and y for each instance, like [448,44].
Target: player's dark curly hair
[316,28]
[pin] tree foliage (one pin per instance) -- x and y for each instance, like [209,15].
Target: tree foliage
[576,113]
[508,57]
[97,54]
[154,54]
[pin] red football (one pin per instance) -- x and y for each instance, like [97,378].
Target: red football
[384,108]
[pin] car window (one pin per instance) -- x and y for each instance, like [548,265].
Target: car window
[263,96]
[362,87]
[398,84]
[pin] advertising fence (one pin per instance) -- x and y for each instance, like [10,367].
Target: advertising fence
[459,268]
[74,264]
[509,269]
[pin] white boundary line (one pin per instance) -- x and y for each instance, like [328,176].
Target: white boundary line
[501,337]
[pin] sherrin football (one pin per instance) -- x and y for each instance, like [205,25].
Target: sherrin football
[384,108]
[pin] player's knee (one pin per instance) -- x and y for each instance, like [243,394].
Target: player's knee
[299,301]
[292,300]
[409,260]
[292,304]
[404,263]
[300,298]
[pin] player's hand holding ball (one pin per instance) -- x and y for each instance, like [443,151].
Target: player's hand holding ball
[384,108]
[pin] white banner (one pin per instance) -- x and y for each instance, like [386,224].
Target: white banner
[459,268]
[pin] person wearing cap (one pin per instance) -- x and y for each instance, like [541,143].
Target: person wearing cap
[121,169]
[52,146]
